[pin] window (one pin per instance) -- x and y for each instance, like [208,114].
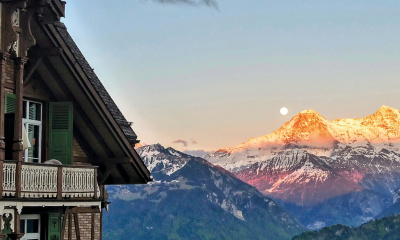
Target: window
[30,226]
[32,122]
[60,129]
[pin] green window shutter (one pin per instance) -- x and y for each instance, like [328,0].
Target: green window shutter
[60,131]
[54,226]
[10,103]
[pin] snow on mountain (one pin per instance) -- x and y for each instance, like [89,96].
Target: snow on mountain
[191,198]
[158,160]
[311,131]
[311,159]
[299,177]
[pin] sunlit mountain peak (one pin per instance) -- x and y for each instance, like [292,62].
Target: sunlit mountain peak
[386,112]
[310,159]
[309,128]
[312,111]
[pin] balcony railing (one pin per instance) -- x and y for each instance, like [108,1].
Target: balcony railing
[49,181]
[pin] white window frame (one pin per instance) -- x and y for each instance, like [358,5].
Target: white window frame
[26,122]
[27,236]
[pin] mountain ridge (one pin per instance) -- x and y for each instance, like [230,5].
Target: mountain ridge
[190,198]
[313,164]
[311,130]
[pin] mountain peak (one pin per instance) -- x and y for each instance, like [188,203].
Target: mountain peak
[384,113]
[308,115]
[151,148]
[309,111]
[160,160]
[385,108]
[308,125]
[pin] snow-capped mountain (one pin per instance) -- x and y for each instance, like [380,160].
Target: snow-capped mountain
[158,159]
[192,199]
[310,130]
[310,160]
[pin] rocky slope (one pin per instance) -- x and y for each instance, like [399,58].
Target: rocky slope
[192,199]
[394,208]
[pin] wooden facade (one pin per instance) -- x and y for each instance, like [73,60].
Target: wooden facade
[62,138]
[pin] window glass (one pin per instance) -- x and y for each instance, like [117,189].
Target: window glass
[22,225]
[24,109]
[35,111]
[32,225]
[32,117]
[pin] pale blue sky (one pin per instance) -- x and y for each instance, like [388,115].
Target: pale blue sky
[220,76]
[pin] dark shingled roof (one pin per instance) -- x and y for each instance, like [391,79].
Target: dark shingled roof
[98,86]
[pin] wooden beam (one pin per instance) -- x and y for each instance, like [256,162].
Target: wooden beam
[95,184]
[113,161]
[9,85]
[3,63]
[106,175]
[92,228]
[18,178]
[77,230]
[69,226]
[31,70]
[84,210]
[123,173]
[19,92]
[59,182]
[64,222]
[1,179]
[38,52]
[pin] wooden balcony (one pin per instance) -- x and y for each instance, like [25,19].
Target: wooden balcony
[45,181]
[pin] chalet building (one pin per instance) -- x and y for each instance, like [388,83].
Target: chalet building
[62,138]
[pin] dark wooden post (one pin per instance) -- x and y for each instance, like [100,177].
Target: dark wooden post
[18,177]
[64,224]
[3,58]
[77,230]
[19,92]
[1,181]
[17,229]
[3,61]
[92,226]
[70,226]
[16,235]
[95,184]
[17,145]
[59,183]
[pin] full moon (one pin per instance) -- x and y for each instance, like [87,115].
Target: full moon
[284,111]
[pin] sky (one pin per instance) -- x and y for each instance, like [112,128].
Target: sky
[204,78]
